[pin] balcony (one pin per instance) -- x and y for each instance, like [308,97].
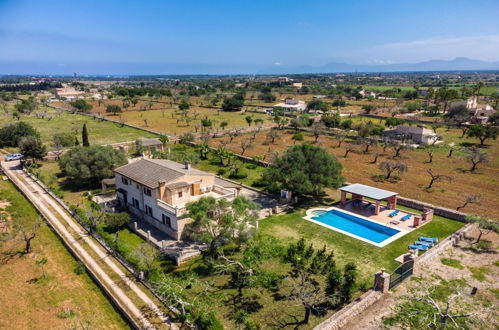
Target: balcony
[217,192]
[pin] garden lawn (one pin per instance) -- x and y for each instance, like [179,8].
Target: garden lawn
[99,132]
[368,258]
[27,303]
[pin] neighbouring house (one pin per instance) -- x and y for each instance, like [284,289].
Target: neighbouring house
[298,85]
[417,134]
[292,105]
[158,190]
[479,113]
[69,93]
[365,93]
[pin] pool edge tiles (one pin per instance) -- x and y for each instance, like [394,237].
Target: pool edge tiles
[401,232]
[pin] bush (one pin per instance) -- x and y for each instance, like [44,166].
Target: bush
[221,171]
[11,135]
[251,166]
[208,321]
[80,268]
[346,124]
[238,175]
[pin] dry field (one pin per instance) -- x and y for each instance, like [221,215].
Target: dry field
[358,167]
[60,300]
[166,119]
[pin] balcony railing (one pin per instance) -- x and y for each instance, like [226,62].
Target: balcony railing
[217,192]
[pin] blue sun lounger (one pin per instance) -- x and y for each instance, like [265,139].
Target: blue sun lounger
[429,244]
[418,247]
[394,213]
[429,239]
[406,217]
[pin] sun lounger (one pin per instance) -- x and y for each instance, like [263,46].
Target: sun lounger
[429,244]
[429,239]
[418,247]
[394,213]
[406,217]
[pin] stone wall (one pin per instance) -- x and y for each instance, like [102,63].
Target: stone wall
[347,313]
[439,210]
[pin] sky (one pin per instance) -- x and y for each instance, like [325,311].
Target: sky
[243,35]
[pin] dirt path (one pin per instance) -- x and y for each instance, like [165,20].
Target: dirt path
[469,262]
[86,248]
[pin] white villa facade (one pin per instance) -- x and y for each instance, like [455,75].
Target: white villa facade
[158,190]
[291,105]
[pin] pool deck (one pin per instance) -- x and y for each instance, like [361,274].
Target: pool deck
[382,217]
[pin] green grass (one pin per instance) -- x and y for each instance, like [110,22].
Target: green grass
[479,273]
[100,132]
[291,226]
[452,263]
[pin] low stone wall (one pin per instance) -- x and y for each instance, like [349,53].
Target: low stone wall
[347,313]
[432,253]
[414,121]
[439,210]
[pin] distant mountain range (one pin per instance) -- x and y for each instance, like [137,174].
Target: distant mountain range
[117,68]
[457,64]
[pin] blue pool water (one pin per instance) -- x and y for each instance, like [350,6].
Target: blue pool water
[356,226]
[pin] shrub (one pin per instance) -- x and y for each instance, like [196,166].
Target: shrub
[221,171]
[208,321]
[251,166]
[238,175]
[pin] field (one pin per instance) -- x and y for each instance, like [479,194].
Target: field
[358,167]
[167,119]
[53,122]
[61,299]
[486,90]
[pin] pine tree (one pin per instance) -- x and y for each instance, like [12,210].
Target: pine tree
[84,136]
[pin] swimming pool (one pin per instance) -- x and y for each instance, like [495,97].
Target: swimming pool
[356,226]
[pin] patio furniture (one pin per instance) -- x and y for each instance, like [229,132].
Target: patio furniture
[429,239]
[394,222]
[406,217]
[418,247]
[368,205]
[394,213]
[429,244]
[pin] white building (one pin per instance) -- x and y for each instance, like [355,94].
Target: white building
[158,190]
[417,134]
[68,93]
[292,105]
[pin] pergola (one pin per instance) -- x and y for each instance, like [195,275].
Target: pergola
[359,191]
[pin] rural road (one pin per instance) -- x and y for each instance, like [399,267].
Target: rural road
[92,254]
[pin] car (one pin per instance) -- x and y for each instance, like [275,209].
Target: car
[13,157]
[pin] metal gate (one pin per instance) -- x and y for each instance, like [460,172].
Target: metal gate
[401,273]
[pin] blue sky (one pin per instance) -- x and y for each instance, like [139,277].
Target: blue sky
[247,33]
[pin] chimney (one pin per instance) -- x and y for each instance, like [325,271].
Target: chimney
[161,185]
[187,166]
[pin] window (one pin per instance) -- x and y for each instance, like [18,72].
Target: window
[124,180]
[148,210]
[147,191]
[166,220]
[135,203]
[180,193]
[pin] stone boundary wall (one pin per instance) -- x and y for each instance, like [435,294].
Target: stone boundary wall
[114,300]
[440,123]
[429,255]
[439,210]
[343,316]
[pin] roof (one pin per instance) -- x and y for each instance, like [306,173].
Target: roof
[176,185]
[151,142]
[368,191]
[150,171]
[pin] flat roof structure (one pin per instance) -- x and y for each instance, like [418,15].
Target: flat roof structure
[368,191]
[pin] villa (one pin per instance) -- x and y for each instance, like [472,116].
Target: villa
[292,105]
[68,93]
[417,134]
[158,190]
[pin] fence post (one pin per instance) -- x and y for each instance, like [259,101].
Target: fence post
[382,281]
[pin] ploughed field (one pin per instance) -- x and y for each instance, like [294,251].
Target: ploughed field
[358,167]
